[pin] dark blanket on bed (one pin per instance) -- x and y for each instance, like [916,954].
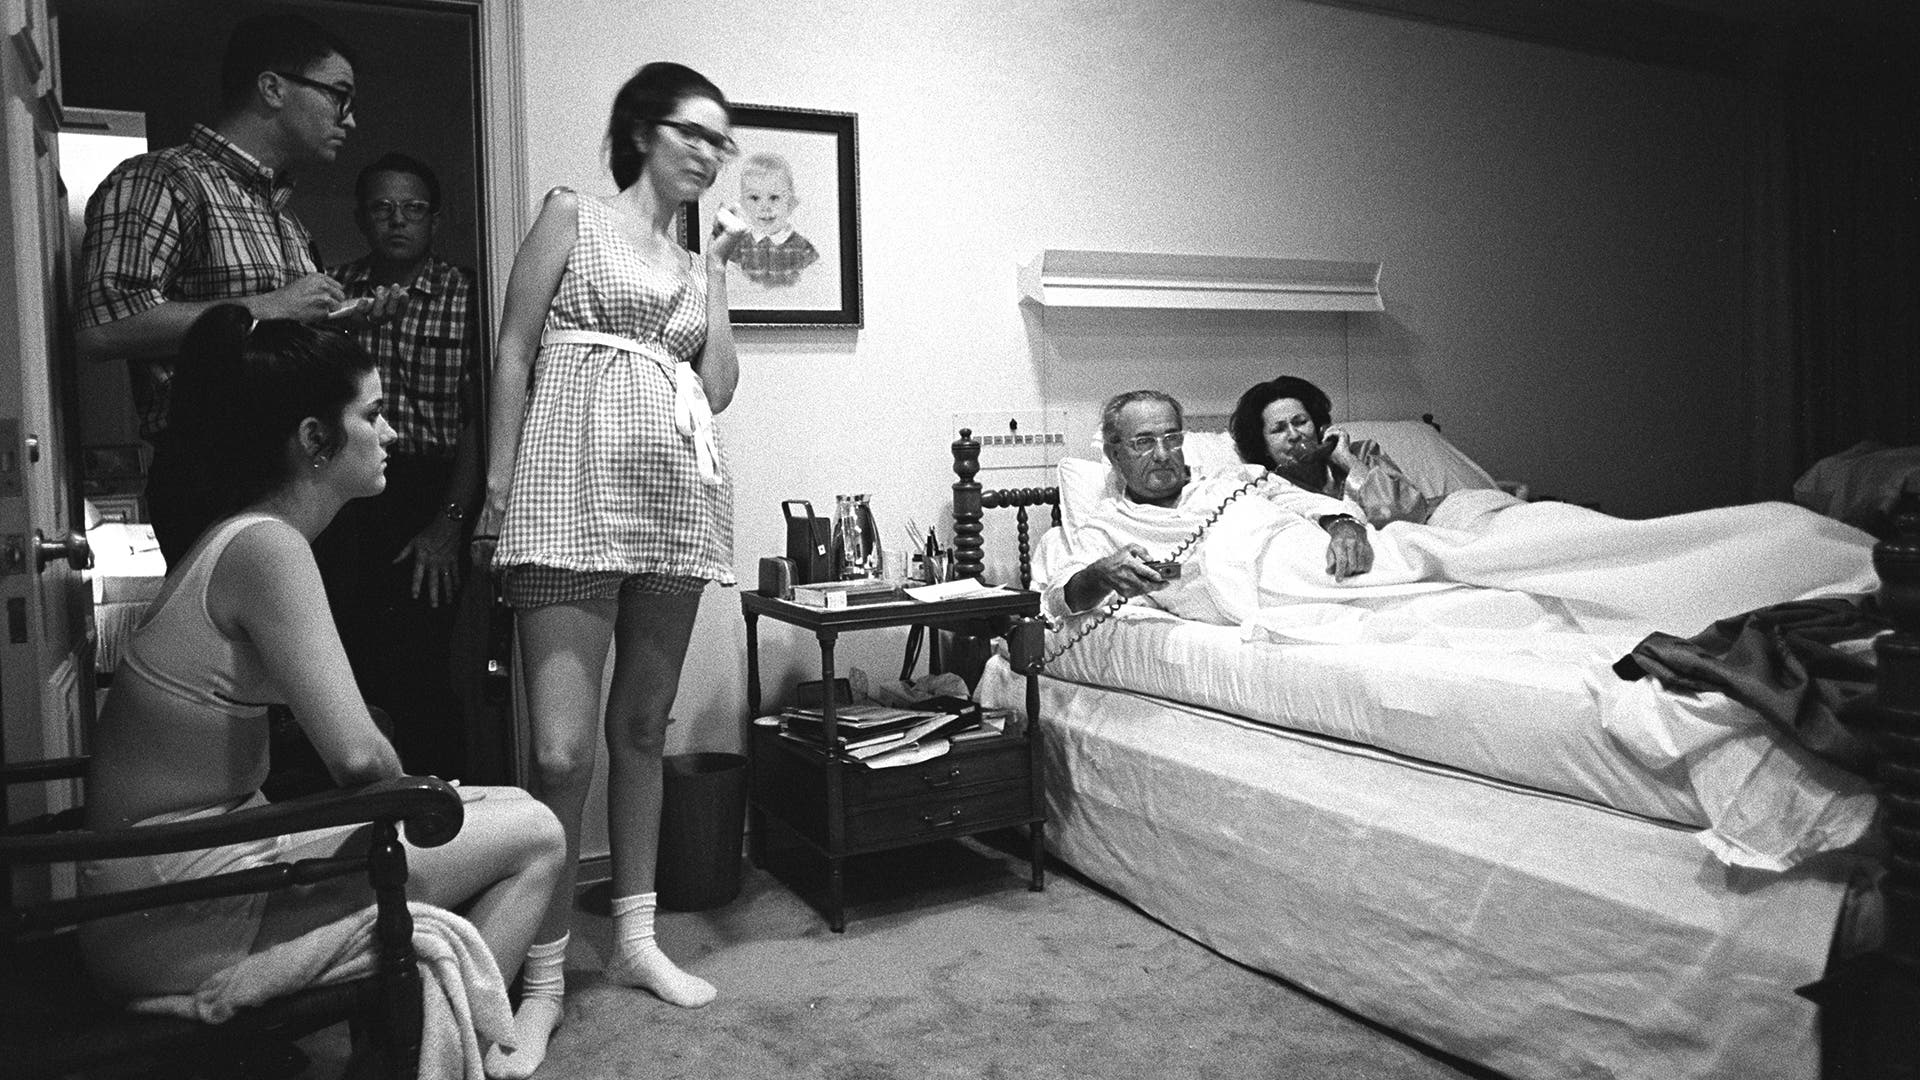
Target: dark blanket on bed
[1786,663]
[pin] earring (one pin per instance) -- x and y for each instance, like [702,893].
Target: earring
[319,460]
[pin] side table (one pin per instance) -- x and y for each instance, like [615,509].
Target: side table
[840,807]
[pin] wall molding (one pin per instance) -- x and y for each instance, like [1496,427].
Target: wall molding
[1069,278]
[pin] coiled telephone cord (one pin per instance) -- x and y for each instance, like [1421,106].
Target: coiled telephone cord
[1099,618]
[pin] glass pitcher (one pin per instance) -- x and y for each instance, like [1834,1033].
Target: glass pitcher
[856,542]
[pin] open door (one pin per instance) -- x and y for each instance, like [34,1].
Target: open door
[46,670]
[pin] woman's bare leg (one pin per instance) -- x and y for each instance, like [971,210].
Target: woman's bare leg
[499,869]
[650,647]
[563,652]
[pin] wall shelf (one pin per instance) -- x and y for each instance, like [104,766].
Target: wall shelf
[1128,279]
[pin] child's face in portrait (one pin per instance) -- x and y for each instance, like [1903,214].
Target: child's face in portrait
[767,199]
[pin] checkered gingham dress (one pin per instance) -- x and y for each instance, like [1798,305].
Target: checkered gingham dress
[604,480]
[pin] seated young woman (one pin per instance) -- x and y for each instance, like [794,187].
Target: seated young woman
[1285,425]
[286,422]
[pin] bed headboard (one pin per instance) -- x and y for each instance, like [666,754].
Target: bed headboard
[970,503]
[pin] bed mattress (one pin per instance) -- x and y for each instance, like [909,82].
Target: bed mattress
[1552,717]
[1535,933]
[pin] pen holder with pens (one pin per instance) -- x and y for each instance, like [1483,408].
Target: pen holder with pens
[932,566]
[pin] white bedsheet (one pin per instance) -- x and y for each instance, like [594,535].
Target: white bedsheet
[1448,678]
[1543,936]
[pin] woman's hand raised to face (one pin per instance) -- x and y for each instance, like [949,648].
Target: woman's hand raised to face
[1342,452]
[729,229]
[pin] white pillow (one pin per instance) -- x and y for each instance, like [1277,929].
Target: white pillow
[1436,466]
[1210,451]
[1083,484]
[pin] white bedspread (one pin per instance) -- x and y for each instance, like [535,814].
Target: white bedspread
[1439,654]
[1549,715]
[1677,573]
[1541,936]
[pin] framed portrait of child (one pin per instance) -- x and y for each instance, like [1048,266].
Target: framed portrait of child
[795,180]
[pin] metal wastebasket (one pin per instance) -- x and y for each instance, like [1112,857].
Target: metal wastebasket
[702,821]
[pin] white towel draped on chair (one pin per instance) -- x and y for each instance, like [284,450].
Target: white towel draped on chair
[464,999]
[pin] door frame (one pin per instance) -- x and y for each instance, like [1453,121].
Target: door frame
[46,661]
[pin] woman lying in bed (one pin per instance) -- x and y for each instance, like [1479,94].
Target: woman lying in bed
[1284,425]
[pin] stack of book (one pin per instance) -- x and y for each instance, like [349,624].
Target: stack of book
[882,735]
[834,595]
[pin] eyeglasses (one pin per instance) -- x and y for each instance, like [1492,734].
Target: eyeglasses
[342,99]
[1142,445]
[411,210]
[696,135]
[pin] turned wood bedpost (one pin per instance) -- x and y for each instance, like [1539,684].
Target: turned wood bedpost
[967,512]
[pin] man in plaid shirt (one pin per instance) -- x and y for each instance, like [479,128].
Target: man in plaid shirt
[394,560]
[173,232]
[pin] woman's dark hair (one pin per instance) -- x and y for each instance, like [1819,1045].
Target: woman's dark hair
[1250,429]
[651,96]
[242,389]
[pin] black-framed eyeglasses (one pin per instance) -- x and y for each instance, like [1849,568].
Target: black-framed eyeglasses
[693,134]
[342,99]
[1142,445]
[410,210]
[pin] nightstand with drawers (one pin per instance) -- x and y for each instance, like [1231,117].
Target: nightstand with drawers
[840,807]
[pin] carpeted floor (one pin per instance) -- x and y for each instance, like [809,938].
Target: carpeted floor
[950,968]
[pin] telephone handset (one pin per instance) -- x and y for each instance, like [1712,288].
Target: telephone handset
[1168,567]
[1322,452]
[1310,471]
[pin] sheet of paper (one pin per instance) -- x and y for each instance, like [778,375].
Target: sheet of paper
[909,755]
[953,590]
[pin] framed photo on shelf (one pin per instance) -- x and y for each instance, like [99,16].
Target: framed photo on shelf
[796,181]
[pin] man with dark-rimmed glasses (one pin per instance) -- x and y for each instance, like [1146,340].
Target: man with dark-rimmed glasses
[172,232]
[394,562]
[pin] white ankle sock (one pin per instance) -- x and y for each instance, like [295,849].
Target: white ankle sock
[543,988]
[638,961]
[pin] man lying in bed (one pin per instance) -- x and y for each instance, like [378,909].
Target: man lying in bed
[1161,502]
[1275,545]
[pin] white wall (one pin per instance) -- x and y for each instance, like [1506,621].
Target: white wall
[1563,239]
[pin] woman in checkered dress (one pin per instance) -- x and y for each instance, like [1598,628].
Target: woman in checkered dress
[612,499]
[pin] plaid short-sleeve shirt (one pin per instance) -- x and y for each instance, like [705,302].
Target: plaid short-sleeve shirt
[429,357]
[201,221]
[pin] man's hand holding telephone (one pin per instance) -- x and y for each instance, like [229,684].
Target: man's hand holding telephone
[1126,573]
